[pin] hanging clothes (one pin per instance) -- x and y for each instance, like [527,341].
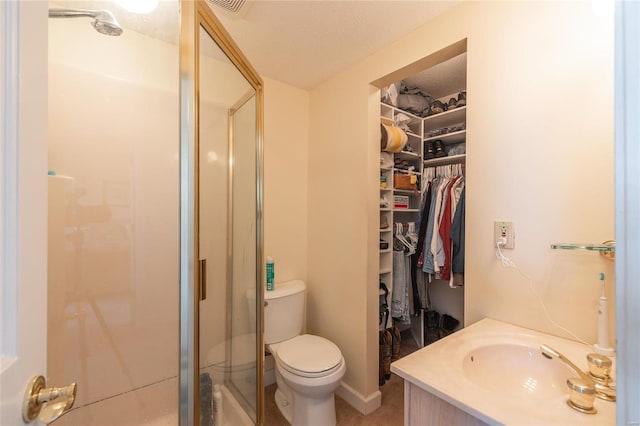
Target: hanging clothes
[457,238]
[427,255]
[420,295]
[402,298]
[400,293]
[436,235]
[444,231]
[423,219]
[436,244]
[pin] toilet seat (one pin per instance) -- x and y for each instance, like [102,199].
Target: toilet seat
[309,356]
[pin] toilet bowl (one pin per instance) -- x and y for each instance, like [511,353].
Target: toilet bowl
[308,368]
[241,365]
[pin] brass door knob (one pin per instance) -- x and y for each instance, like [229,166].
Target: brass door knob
[58,401]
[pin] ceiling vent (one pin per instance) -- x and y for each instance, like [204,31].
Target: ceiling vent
[236,8]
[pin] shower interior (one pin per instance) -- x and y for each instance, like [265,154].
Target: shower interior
[114,196]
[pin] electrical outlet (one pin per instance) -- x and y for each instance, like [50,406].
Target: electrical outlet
[504,230]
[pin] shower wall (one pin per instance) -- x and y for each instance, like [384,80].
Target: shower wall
[113,224]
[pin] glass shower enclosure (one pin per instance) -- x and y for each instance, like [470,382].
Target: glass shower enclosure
[155,220]
[228,232]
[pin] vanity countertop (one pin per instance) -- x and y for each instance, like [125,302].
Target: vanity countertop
[443,369]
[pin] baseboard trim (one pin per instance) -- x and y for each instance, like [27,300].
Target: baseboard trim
[365,405]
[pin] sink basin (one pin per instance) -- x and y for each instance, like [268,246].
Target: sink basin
[494,372]
[516,370]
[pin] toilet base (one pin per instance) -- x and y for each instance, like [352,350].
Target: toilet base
[310,412]
[284,405]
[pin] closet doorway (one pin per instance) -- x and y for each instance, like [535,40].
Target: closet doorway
[423,159]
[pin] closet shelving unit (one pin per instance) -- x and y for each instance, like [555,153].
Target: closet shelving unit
[418,139]
[452,159]
[392,214]
[448,118]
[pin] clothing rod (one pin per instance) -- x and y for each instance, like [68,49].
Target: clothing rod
[461,165]
[405,223]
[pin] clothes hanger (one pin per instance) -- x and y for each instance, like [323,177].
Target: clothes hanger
[412,235]
[400,236]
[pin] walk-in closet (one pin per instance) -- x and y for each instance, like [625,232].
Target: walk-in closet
[423,138]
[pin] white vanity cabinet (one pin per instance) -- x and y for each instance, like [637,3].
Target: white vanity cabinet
[494,373]
[424,408]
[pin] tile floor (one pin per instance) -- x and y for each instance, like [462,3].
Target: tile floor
[391,413]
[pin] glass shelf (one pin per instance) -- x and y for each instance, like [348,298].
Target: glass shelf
[576,246]
[606,249]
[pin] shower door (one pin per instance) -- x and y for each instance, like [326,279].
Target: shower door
[228,229]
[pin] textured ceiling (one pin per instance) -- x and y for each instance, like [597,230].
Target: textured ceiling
[299,42]
[306,42]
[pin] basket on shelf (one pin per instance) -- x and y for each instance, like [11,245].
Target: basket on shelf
[404,181]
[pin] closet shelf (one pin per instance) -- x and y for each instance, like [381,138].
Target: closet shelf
[384,271]
[406,172]
[452,159]
[408,155]
[450,138]
[386,189]
[406,210]
[446,118]
[391,108]
[406,191]
[385,251]
[385,230]
[385,210]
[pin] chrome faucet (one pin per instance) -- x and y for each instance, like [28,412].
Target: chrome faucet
[600,382]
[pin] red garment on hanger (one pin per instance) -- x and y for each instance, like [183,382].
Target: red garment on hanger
[445,231]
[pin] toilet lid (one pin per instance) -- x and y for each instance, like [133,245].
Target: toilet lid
[309,354]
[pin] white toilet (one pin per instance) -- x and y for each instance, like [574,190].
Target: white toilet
[308,368]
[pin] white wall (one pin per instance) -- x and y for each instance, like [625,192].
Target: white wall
[556,179]
[286,151]
[540,153]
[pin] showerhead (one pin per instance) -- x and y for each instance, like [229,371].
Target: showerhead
[104,21]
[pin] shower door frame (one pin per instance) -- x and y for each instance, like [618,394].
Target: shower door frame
[193,15]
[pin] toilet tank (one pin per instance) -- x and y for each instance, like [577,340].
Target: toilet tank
[284,311]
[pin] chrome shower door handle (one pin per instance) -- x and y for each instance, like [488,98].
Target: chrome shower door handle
[58,401]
